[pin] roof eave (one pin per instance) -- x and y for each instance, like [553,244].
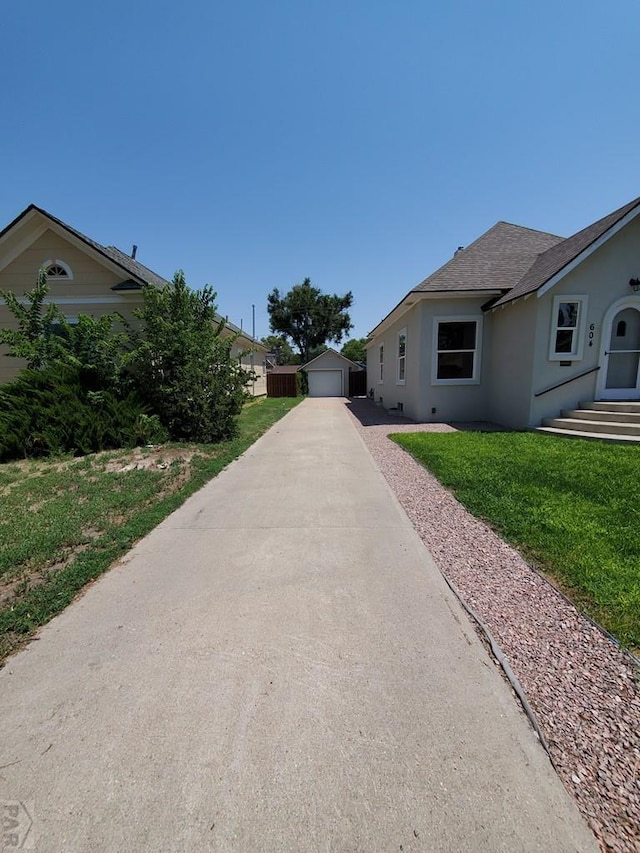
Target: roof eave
[415,296]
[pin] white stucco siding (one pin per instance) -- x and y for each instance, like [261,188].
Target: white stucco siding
[392,391]
[464,401]
[510,340]
[604,279]
[420,394]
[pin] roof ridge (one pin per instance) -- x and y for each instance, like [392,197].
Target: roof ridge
[527,228]
[461,256]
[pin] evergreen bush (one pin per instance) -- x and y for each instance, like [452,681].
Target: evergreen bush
[56,410]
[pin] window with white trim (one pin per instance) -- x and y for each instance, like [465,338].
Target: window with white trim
[456,357]
[381,363]
[402,357]
[568,316]
[57,270]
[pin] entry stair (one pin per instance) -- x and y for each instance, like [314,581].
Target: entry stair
[602,421]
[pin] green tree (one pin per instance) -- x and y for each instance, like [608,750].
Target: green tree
[71,397]
[281,347]
[36,337]
[95,347]
[182,365]
[309,317]
[44,338]
[354,349]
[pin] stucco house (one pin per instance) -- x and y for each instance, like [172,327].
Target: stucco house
[517,327]
[86,278]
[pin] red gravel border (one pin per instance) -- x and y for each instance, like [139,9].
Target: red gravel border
[582,688]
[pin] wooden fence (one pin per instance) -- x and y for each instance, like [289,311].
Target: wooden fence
[282,385]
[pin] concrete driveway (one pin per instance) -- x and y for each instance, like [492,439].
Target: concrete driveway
[279,666]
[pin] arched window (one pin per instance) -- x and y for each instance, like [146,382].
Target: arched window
[57,269]
[621,329]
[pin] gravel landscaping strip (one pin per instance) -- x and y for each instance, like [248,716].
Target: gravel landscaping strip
[583,690]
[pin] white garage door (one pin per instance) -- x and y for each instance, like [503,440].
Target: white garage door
[325,383]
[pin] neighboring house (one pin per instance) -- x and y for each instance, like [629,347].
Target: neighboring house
[85,278]
[280,369]
[516,327]
[328,374]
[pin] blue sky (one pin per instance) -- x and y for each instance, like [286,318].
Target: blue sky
[357,143]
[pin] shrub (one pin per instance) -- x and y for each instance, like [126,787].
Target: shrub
[56,410]
[182,365]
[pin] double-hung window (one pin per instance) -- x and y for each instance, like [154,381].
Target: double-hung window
[402,357]
[456,355]
[568,316]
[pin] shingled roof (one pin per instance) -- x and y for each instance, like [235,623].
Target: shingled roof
[124,261]
[134,267]
[556,258]
[497,260]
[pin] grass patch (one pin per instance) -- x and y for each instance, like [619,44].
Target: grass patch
[65,521]
[571,507]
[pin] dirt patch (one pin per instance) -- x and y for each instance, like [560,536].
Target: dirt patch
[29,578]
[145,459]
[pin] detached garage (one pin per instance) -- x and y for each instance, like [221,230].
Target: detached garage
[328,374]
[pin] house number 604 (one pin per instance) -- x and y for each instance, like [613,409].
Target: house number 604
[591,331]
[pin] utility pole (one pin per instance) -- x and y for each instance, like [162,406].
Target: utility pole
[253,335]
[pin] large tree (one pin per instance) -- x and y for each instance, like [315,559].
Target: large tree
[309,317]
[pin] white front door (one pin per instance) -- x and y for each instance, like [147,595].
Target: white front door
[621,362]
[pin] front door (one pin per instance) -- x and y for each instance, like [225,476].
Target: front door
[622,356]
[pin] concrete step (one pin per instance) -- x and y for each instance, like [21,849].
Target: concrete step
[579,424]
[589,436]
[602,415]
[612,406]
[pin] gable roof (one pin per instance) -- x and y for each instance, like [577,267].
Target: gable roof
[127,264]
[493,263]
[136,273]
[554,260]
[497,260]
[512,262]
[332,352]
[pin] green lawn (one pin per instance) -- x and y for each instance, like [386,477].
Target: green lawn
[65,521]
[572,507]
